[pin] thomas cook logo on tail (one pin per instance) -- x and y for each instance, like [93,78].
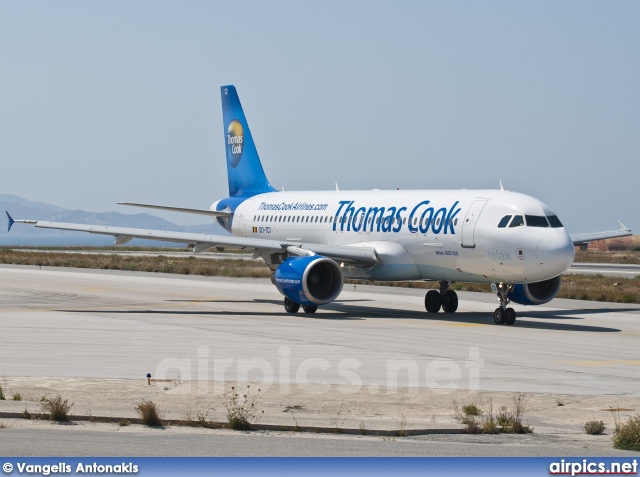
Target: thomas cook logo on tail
[235,142]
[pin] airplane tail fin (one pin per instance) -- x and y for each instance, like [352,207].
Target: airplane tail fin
[244,169]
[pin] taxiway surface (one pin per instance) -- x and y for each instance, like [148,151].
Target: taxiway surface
[113,324]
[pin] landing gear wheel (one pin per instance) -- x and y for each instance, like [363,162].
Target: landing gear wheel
[433,301]
[291,306]
[503,315]
[309,309]
[500,316]
[449,301]
[511,316]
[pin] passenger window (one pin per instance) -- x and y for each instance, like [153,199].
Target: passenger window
[536,221]
[518,221]
[554,221]
[505,220]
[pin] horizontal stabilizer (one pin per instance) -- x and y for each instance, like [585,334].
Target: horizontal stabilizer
[210,213]
[11,221]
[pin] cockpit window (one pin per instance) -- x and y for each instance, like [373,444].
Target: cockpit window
[554,221]
[518,221]
[537,221]
[505,220]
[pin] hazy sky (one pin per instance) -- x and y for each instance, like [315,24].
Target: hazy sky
[119,101]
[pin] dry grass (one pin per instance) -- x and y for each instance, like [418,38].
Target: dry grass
[199,418]
[599,288]
[580,287]
[56,408]
[242,408]
[191,265]
[627,257]
[508,420]
[149,413]
[473,427]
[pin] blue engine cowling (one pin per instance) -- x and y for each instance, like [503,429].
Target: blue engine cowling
[309,281]
[536,293]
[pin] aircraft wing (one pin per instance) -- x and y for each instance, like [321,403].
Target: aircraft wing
[622,231]
[354,255]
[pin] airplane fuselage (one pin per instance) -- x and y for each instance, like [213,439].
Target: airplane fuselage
[451,235]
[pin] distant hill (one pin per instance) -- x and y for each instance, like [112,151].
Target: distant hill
[20,234]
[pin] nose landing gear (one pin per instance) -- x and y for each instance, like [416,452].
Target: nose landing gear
[503,315]
[445,299]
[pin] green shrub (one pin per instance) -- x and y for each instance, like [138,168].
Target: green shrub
[627,436]
[594,428]
[628,298]
[471,410]
[16,397]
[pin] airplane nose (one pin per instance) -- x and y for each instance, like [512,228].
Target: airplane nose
[556,251]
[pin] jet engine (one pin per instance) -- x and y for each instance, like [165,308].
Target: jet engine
[310,281]
[535,293]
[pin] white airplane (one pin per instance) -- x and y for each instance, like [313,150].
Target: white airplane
[314,240]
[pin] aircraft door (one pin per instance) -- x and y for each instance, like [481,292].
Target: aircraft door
[470,221]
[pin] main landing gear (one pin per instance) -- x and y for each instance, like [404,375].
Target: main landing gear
[445,299]
[293,307]
[504,315]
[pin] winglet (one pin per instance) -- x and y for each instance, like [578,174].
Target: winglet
[11,221]
[620,225]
